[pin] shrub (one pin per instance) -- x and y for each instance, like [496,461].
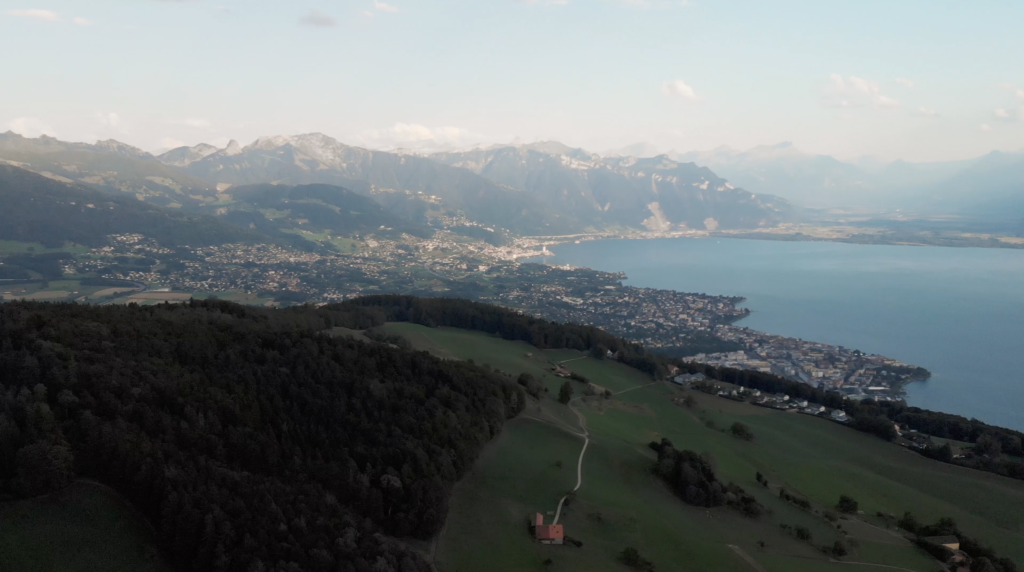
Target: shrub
[846,505]
[741,431]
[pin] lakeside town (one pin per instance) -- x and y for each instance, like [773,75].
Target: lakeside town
[697,327]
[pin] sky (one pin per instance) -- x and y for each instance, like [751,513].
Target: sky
[895,79]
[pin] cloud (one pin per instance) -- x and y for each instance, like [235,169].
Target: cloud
[192,122]
[927,112]
[417,135]
[905,82]
[81,21]
[319,19]
[679,88]
[110,121]
[545,2]
[1002,114]
[382,7]
[886,102]
[170,143]
[985,127]
[853,91]
[30,127]
[35,13]
[1019,93]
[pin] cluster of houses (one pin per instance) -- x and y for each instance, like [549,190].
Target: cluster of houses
[779,401]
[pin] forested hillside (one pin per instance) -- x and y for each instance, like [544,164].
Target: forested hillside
[40,209]
[250,440]
[316,208]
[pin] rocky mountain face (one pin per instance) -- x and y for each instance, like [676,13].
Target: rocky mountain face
[107,165]
[657,193]
[415,187]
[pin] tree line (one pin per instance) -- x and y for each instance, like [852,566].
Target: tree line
[248,438]
[868,416]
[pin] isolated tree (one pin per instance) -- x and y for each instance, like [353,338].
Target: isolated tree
[908,522]
[846,505]
[565,393]
[989,445]
[630,556]
[689,401]
[741,431]
[838,549]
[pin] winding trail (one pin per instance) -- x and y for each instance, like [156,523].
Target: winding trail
[746,558]
[586,443]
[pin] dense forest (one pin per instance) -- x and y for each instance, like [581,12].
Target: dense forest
[248,438]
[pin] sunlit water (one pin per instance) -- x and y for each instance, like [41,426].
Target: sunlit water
[959,312]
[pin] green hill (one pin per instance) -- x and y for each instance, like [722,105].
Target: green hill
[275,209]
[40,209]
[621,503]
[250,439]
[106,165]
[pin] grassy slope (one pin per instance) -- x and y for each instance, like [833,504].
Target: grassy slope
[813,457]
[85,528]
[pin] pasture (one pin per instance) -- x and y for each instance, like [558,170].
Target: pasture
[622,504]
[84,528]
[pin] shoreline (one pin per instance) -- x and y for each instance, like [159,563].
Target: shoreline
[839,234]
[855,376]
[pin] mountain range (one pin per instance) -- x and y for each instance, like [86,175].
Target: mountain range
[537,189]
[658,193]
[541,188]
[991,185]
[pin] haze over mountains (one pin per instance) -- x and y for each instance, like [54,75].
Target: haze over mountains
[535,189]
[985,186]
[544,187]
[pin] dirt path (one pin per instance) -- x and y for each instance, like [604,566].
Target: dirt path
[586,443]
[746,558]
[875,565]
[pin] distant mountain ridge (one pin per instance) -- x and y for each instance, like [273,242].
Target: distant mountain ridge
[39,209]
[987,185]
[657,193]
[406,184]
[107,165]
[542,188]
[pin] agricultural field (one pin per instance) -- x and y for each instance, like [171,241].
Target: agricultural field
[620,503]
[58,291]
[84,528]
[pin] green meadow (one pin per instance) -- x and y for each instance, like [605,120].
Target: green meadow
[84,528]
[533,463]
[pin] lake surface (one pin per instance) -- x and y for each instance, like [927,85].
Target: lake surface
[959,312]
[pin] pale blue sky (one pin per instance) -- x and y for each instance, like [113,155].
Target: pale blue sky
[920,80]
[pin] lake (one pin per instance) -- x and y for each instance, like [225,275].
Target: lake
[959,312]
